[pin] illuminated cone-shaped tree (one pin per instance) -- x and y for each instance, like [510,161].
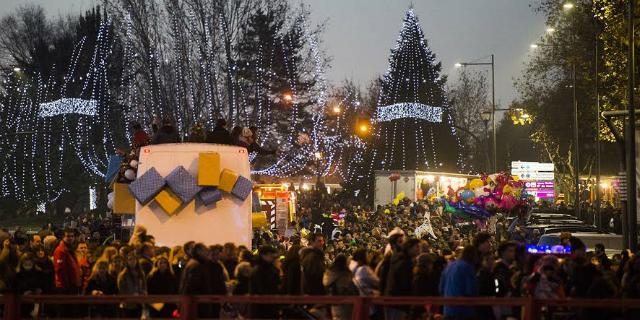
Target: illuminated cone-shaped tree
[414,127]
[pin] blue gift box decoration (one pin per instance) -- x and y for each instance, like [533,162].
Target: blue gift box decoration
[112,167]
[242,188]
[210,195]
[147,186]
[183,184]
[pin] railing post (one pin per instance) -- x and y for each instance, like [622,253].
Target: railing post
[188,308]
[361,308]
[531,309]
[11,307]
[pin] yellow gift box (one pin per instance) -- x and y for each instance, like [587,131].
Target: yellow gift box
[209,169]
[123,200]
[259,220]
[228,179]
[168,201]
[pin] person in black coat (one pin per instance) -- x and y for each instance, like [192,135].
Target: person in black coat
[291,269]
[400,277]
[162,281]
[220,134]
[167,133]
[265,280]
[395,243]
[313,266]
[46,266]
[196,279]
[102,283]
[486,280]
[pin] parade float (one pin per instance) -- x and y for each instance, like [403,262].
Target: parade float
[187,191]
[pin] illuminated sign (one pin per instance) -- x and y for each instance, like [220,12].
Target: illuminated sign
[532,170]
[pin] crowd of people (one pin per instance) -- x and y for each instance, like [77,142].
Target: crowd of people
[332,250]
[165,131]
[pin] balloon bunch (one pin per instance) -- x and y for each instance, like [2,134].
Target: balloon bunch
[399,198]
[126,174]
[483,197]
[128,168]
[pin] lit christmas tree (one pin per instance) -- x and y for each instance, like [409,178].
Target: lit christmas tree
[414,127]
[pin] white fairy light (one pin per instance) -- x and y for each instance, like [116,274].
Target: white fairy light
[409,110]
[68,106]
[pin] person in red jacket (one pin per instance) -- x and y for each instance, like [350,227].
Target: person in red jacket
[68,276]
[140,137]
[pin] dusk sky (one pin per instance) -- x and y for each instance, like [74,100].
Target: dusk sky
[359,33]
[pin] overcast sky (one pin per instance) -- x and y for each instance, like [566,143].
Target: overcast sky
[359,33]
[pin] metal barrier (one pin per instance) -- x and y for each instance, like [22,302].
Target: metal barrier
[361,305]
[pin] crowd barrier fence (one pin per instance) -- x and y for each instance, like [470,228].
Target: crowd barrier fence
[187,305]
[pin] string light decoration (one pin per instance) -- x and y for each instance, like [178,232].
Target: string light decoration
[409,110]
[183,72]
[413,129]
[68,106]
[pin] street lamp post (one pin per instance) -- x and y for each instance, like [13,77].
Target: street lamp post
[486,116]
[569,6]
[630,138]
[493,101]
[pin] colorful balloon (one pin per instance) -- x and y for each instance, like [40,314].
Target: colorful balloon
[475,183]
[508,202]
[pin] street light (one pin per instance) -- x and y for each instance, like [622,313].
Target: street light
[336,109]
[17,69]
[493,101]
[486,117]
[551,29]
[567,7]
[287,97]
[318,155]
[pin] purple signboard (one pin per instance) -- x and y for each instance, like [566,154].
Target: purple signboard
[540,189]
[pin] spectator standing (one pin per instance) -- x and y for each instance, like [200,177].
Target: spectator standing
[82,254]
[291,271]
[29,280]
[140,138]
[101,283]
[242,273]
[219,134]
[313,267]
[8,264]
[68,275]
[487,287]
[229,258]
[162,281]
[197,134]
[254,146]
[396,237]
[197,280]
[458,280]
[132,281]
[426,276]
[400,277]
[338,281]
[265,280]
[364,278]
[503,268]
[631,278]
[167,133]
[145,251]
[43,262]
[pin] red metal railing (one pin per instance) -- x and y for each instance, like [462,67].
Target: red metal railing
[361,305]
